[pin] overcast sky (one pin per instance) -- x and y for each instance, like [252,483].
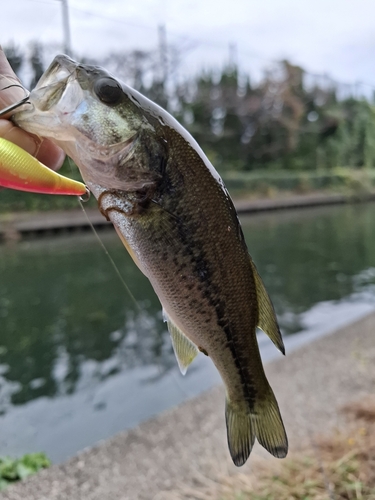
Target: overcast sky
[323,36]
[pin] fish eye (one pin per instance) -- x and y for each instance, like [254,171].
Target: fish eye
[108,90]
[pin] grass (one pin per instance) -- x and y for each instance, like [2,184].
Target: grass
[15,469]
[340,466]
[270,184]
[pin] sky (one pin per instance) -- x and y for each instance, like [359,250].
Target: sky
[335,37]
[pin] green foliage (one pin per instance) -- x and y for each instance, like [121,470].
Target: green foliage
[15,469]
[279,125]
[284,123]
[266,182]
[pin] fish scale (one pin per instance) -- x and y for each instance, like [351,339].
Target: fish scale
[176,219]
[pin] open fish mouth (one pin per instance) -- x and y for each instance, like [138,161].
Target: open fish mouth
[52,103]
[52,85]
[60,70]
[70,107]
[57,91]
[65,106]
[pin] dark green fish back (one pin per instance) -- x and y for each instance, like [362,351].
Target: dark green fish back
[191,245]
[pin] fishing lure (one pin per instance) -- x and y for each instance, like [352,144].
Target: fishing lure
[19,170]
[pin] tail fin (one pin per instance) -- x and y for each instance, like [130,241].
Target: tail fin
[240,434]
[269,427]
[264,423]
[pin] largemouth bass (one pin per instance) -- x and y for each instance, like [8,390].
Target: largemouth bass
[176,219]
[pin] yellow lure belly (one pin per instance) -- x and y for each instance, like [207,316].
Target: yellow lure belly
[19,170]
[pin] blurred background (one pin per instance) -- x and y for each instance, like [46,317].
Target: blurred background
[280,96]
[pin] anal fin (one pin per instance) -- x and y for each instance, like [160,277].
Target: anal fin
[184,348]
[267,321]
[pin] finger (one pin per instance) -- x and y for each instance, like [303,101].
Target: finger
[46,152]
[43,149]
[7,77]
[51,155]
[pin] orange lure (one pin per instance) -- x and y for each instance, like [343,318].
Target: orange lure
[21,171]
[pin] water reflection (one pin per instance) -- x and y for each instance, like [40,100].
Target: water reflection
[312,256]
[61,304]
[68,327]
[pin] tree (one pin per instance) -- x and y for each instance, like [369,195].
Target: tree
[36,61]
[15,56]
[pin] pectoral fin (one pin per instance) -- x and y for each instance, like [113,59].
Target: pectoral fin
[184,349]
[267,318]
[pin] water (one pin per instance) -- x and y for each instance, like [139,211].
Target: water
[79,361]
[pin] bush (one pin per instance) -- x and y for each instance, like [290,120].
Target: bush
[338,179]
[15,469]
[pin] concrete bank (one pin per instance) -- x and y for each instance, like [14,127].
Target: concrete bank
[15,225]
[187,444]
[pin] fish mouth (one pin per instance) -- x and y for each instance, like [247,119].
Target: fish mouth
[53,101]
[64,108]
[53,83]
[60,70]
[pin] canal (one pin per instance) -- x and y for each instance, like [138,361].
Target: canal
[81,359]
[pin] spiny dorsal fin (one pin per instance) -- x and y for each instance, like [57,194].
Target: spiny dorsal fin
[267,318]
[184,348]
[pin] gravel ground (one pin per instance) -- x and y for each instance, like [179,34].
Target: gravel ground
[187,444]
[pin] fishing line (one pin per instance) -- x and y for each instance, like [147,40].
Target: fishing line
[119,275]
[116,269]
[111,260]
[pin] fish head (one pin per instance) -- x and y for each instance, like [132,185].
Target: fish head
[97,120]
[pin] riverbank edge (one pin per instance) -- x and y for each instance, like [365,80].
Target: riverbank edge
[171,452]
[17,224]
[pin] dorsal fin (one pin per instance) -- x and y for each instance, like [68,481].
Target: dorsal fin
[184,348]
[267,318]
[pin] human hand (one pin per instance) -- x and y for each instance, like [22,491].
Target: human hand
[43,149]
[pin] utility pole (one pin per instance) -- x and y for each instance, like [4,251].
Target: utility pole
[163,53]
[233,58]
[66,27]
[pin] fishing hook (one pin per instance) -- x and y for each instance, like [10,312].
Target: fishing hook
[85,197]
[15,85]
[14,106]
